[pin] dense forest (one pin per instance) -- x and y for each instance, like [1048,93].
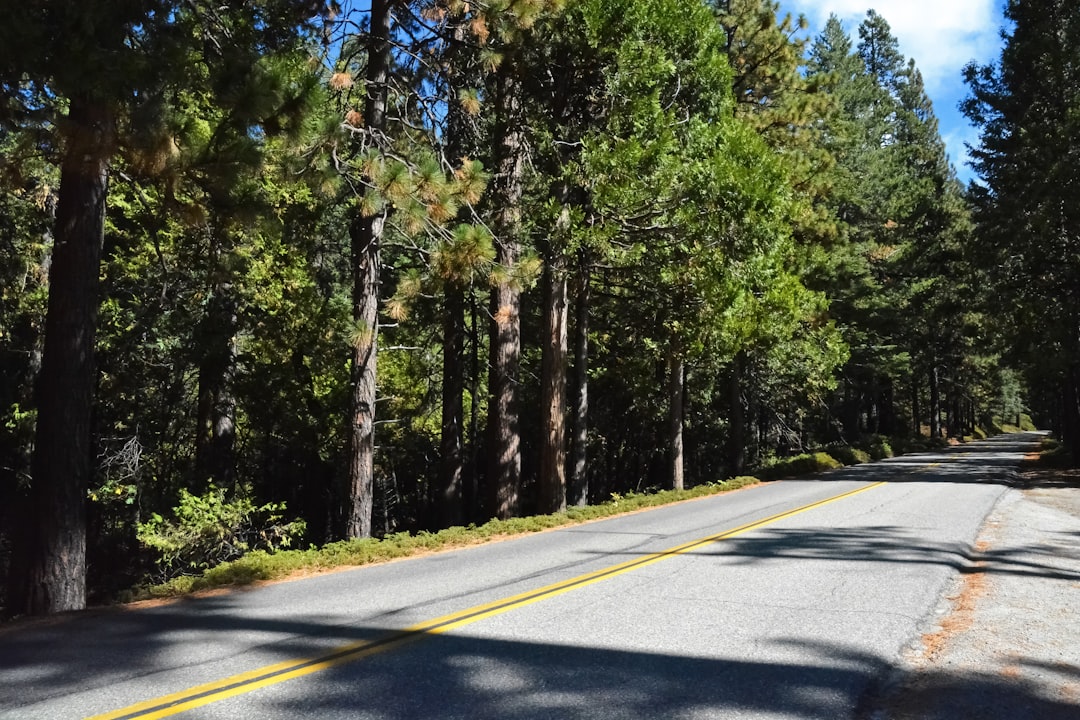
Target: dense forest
[315,271]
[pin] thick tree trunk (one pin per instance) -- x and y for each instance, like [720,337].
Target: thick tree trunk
[358,497]
[49,569]
[676,381]
[737,418]
[504,441]
[365,234]
[552,480]
[579,482]
[453,409]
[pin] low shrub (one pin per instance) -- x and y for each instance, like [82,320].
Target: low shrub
[880,447]
[848,455]
[799,465]
[274,562]
[208,530]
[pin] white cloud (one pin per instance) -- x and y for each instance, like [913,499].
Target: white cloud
[941,35]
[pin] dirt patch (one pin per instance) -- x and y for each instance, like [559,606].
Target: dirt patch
[973,586]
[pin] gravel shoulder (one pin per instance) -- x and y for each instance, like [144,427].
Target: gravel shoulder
[1005,643]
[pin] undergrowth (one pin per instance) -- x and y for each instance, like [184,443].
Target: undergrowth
[1054,454]
[260,565]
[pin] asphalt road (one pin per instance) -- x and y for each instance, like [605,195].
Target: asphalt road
[793,599]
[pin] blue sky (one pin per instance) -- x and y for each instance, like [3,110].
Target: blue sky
[941,35]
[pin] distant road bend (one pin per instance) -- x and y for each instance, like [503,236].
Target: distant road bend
[792,599]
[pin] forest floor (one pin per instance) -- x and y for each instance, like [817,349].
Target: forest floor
[1006,641]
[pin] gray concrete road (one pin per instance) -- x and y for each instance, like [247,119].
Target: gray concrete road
[793,599]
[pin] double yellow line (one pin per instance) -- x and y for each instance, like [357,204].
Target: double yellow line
[168,705]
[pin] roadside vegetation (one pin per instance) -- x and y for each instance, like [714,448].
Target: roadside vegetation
[283,274]
[277,563]
[1054,454]
[196,566]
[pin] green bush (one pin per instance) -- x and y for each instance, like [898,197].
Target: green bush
[259,564]
[848,455]
[207,530]
[880,448]
[800,465]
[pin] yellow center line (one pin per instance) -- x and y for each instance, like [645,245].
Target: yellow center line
[168,705]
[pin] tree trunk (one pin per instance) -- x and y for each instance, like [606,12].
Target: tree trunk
[552,480]
[737,418]
[676,380]
[916,411]
[471,491]
[358,497]
[49,569]
[215,443]
[453,409]
[935,404]
[1071,434]
[886,409]
[450,500]
[957,413]
[579,481]
[365,234]
[504,469]
[951,420]
[852,410]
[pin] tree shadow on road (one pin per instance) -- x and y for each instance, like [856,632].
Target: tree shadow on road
[866,545]
[991,461]
[972,695]
[889,544]
[446,676]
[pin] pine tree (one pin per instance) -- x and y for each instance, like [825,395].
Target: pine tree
[786,105]
[511,27]
[104,58]
[1027,107]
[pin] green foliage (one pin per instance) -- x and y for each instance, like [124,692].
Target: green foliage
[805,464]
[1027,106]
[777,213]
[207,530]
[880,448]
[847,455]
[260,565]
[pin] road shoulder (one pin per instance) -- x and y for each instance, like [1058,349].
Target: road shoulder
[1005,643]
